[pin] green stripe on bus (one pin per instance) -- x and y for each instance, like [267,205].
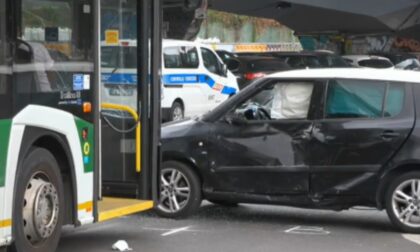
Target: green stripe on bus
[87,146]
[5,126]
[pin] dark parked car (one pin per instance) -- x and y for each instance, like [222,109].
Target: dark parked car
[309,59]
[395,57]
[226,56]
[250,68]
[325,139]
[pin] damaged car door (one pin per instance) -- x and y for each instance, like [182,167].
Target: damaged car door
[259,147]
[364,124]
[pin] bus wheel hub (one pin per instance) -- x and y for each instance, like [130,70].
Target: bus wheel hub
[40,211]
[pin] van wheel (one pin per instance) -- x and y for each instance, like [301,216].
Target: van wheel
[180,194]
[39,204]
[403,202]
[177,112]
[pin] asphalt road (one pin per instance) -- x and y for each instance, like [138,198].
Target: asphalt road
[247,228]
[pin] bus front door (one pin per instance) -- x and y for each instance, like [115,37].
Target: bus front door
[129,116]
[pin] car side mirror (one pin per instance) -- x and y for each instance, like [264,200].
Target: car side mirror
[235,119]
[233,65]
[224,70]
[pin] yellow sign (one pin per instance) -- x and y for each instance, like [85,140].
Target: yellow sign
[112,37]
[86,149]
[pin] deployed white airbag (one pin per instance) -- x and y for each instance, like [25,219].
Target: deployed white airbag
[291,101]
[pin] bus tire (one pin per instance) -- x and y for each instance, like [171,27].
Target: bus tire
[177,112]
[40,187]
[178,181]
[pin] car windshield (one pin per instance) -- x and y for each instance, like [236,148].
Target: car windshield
[119,57]
[283,100]
[332,61]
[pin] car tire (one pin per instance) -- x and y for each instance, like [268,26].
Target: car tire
[40,185]
[405,203]
[177,112]
[175,200]
[224,203]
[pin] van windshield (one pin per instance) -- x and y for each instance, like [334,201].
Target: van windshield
[119,57]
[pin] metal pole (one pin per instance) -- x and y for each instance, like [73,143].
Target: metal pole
[156,98]
[143,35]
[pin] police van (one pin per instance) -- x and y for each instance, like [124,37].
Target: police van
[194,78]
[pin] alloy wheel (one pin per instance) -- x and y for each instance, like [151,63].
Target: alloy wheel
[177,114]
[175,191]
[406,203]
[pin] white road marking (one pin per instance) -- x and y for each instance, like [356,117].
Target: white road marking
[307,230]
[412,238]
[174,231]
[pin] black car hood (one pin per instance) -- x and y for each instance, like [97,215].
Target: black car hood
[179,129]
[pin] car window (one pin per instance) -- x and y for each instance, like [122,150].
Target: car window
[355,99]
[210,60]
[281,101]
[375,63]
[267,65]
[395,100]
[181,57]
[332,61]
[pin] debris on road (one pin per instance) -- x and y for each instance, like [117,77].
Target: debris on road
[121,245]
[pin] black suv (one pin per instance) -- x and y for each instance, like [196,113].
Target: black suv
[320,138]
[308,59]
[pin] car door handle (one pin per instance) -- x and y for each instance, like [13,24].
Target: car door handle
[390,134]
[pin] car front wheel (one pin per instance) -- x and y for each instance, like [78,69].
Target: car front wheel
[177,112]
[403,202]
[180,194]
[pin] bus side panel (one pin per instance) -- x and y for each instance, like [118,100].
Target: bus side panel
[5,126]
[62,123]
[16,135]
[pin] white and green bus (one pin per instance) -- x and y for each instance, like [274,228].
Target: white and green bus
[63,153]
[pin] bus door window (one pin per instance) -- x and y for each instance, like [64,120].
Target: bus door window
[119,85]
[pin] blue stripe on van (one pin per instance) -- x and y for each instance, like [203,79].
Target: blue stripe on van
[168,79]
[119,78]
[183,79]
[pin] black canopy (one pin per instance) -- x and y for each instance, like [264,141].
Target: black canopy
[332,16]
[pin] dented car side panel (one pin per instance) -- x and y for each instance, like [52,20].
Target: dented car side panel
[315,163]
[348,154]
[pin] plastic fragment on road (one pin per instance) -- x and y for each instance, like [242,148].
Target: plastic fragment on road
[121,245]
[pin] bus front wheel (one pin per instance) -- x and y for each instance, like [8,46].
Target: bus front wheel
[39,203]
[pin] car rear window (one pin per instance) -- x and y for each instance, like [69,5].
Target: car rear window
[303,61]
[333,61]
[395,100]
[364,99]
[355,99]
[375,63]
[267,65]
